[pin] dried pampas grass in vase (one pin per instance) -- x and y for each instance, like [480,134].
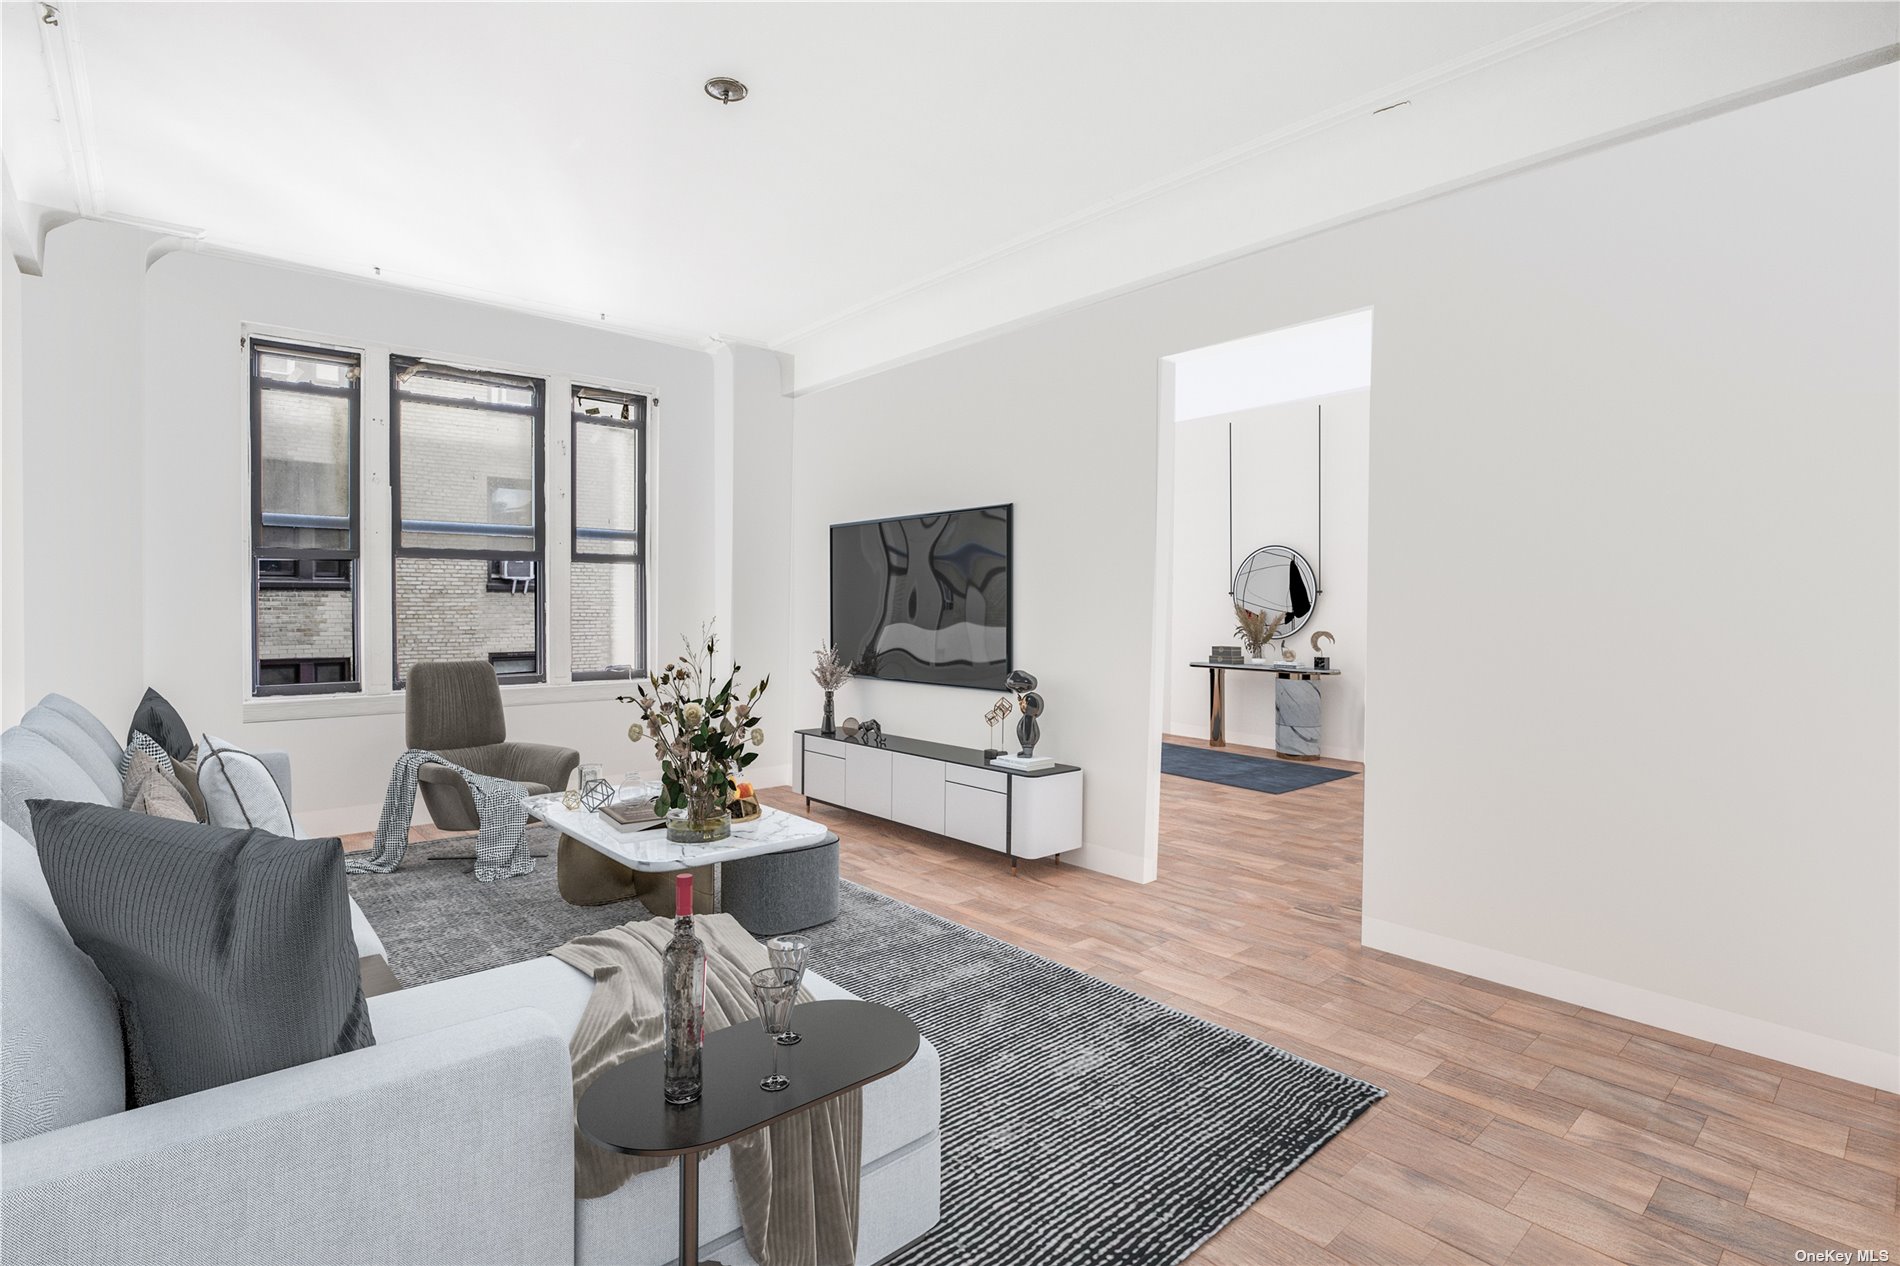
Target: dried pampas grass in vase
[1255,630]
[830,672]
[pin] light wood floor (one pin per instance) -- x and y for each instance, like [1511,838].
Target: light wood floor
[1518,1130]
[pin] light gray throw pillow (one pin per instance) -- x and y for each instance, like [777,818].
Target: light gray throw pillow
[230,951]
[238,790]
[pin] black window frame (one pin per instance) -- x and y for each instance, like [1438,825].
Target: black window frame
[256,349]
[399,367]
[495,659]
[636,406]
[307,668]
[304,576]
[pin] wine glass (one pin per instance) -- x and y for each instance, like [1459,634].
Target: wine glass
[776,990]
[788,954]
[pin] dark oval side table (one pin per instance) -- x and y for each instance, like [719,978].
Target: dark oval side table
[845,1043]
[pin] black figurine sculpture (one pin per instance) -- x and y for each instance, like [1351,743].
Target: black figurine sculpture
[1028,730]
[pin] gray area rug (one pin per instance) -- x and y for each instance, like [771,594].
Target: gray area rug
[436,921]
[1082,1123]
[1236,769]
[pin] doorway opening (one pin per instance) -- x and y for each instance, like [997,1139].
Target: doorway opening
[1261,571]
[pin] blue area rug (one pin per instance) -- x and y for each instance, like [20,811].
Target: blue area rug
[1255,773]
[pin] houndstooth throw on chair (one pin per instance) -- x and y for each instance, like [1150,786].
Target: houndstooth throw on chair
[501,847]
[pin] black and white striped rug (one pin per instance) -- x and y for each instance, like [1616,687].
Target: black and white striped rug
[1081,1123]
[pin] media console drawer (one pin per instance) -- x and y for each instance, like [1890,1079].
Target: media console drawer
[988,779]
[825,778]
[830,747]
[976,816]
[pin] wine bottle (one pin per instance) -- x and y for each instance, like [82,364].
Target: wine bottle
[684,979]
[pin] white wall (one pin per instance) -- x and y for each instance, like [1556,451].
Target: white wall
[1320,358]
[135,487]
[13,700]
[195,625]
[762,552]
[1276,502]
[83,560]
[1624,400]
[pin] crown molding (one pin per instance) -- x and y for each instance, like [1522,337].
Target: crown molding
[1380,99]
[436,287]
[72,100]
[1650,69]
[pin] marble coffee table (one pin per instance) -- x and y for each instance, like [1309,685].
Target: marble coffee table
[598,863]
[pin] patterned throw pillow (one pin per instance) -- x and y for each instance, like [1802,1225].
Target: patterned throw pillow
[139,741]
[153,792]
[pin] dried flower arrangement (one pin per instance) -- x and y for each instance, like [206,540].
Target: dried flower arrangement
[700,732]
[1256,629]
[830,672]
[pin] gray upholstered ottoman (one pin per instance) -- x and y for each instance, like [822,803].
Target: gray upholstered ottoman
[782,892]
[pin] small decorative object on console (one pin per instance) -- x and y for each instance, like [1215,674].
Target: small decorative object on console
[1226,655]
[1029,729]
[871,733]
[684,1000]
[1321,662]
[701,733]
[830,672]
[998,713]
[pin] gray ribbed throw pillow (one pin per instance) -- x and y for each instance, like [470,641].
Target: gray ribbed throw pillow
[230,950]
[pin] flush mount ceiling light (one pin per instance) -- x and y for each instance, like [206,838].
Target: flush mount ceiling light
[725,90]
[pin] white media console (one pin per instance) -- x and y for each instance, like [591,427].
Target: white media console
[953,791]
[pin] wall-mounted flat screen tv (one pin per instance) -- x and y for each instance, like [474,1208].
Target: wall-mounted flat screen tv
[924,598]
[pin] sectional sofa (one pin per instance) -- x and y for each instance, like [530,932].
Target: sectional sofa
[449,1141]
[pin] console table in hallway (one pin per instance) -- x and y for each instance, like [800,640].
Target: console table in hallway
[1295,705]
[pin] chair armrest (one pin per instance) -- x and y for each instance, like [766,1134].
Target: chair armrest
[538,762]
[277,761]
[450,1146]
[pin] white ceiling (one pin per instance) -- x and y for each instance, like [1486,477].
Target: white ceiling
[563,155]
[904,177]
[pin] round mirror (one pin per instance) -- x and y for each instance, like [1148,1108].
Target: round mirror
[1278,580]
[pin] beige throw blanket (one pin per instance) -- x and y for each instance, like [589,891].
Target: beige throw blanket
[798,1179]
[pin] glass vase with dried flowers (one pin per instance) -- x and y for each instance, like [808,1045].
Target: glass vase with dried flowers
[1256,630]
[830,672]
[704,732]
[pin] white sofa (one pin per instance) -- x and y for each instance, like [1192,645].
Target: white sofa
[449,1141]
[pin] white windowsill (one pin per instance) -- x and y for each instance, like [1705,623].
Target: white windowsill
[307,707]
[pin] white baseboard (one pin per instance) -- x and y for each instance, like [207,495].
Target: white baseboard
[770,775]
[1112,862]
[1679,1015]
[1198,730]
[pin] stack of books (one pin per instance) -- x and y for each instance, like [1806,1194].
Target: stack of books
[1226,655]
[631,815]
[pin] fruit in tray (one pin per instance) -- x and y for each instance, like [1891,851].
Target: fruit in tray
[745,803]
